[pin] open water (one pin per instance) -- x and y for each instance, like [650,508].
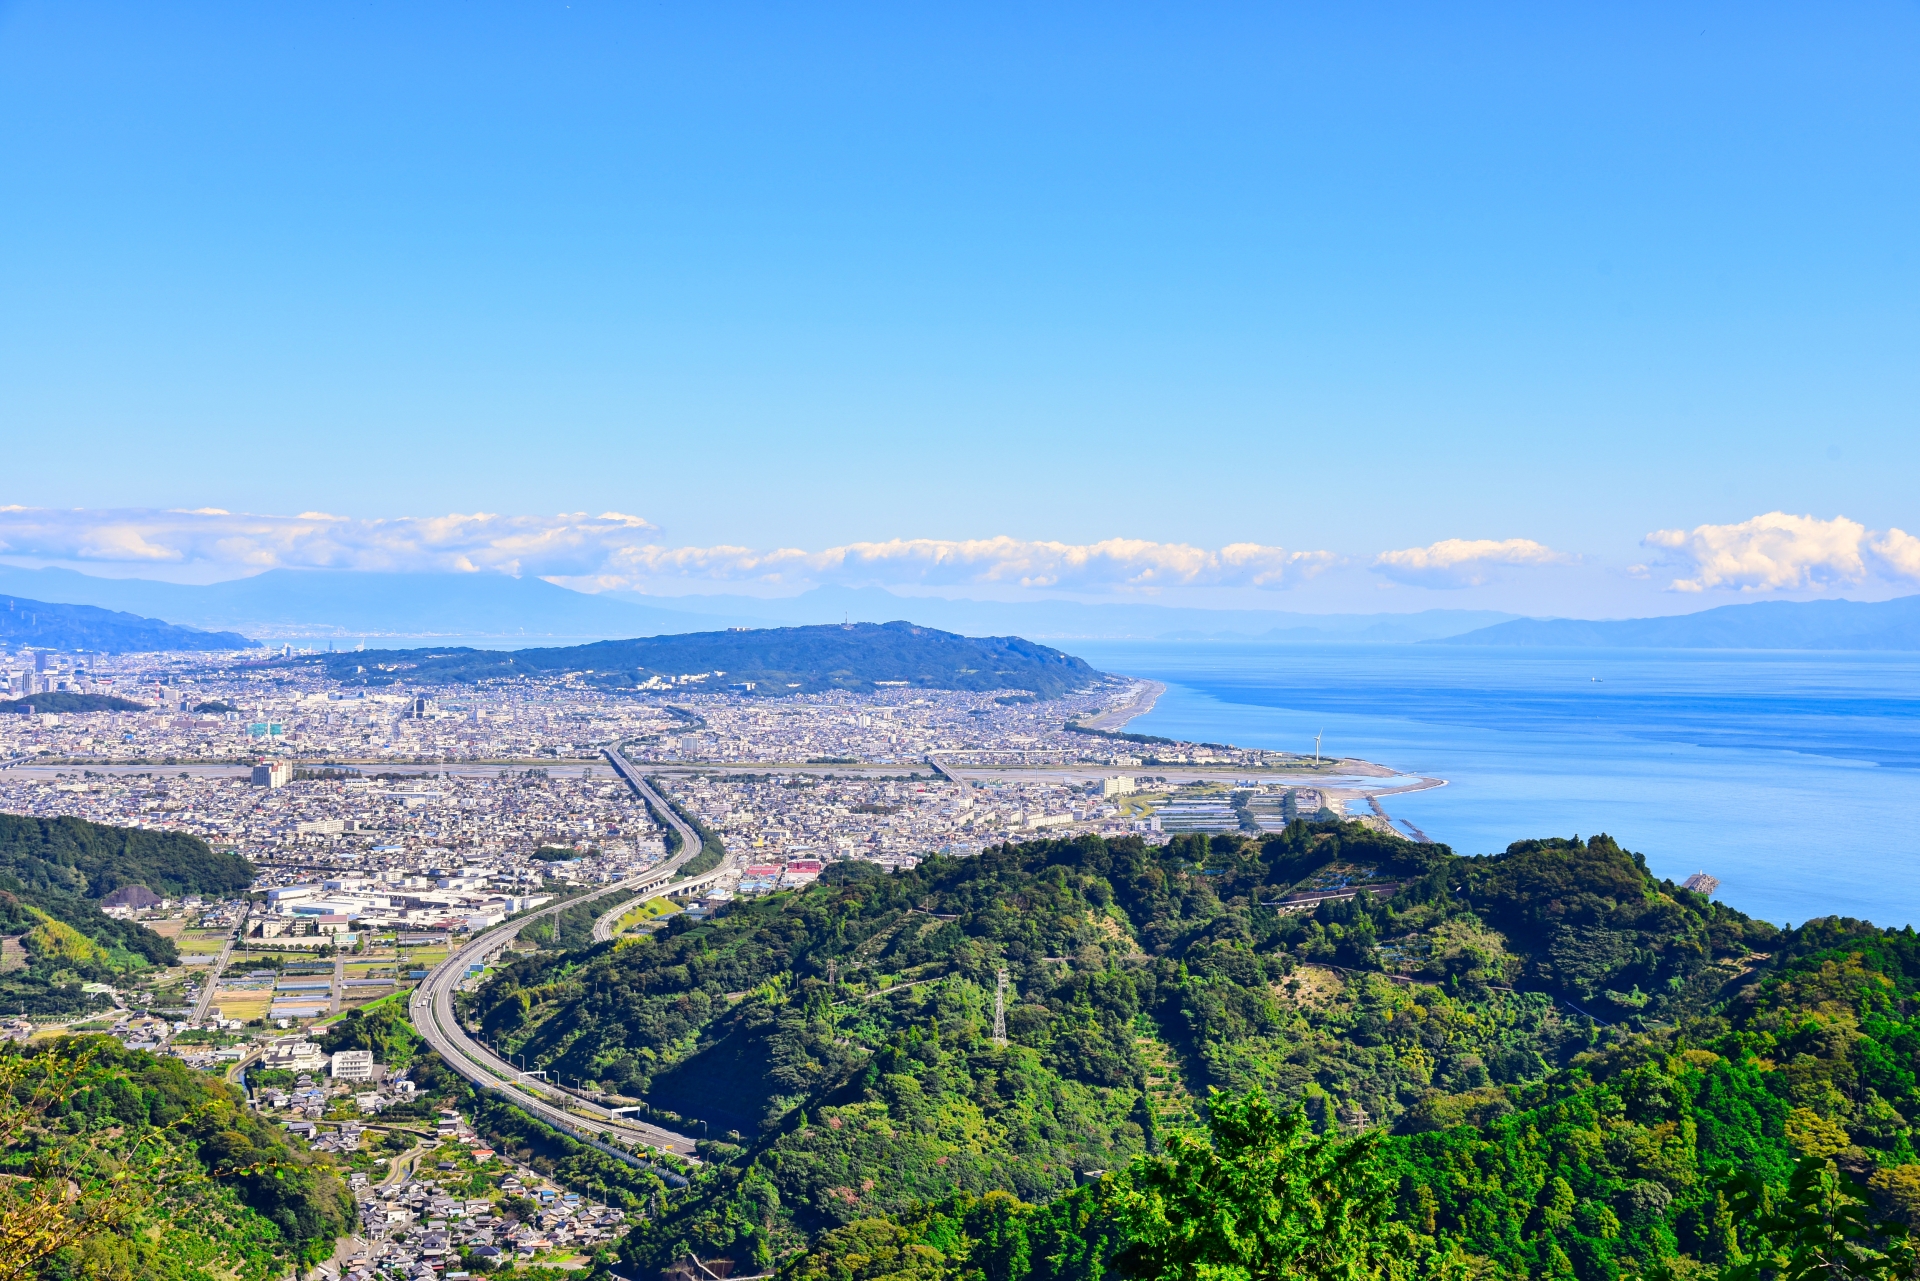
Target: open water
[1793,777]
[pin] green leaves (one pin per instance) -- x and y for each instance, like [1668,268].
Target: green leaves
[1267,1199]
[1820,1229]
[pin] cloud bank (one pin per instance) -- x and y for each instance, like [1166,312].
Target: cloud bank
[1116,564]
[574,542]
[617,551]
[1462,562]
[1781,552]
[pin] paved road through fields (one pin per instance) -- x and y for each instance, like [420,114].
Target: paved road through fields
[219,968]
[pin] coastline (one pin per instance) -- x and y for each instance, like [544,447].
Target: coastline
[1145,694]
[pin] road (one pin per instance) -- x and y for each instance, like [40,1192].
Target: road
[603,924]
[660,881]
[689,839]
[431,1007]
[432,1013]
[219,968]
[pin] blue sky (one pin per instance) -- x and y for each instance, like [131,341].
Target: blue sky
[1333,282]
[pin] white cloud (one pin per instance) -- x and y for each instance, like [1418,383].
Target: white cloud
[568,543]
[1116,564]
[1896,554]
[1462,562]
[613,550]
[1768,553]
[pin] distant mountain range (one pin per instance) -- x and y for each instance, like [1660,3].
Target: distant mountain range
[859,657]
[313,607]
[1773,624]
[1074,620]
[37,623]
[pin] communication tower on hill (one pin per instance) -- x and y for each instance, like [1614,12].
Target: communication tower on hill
[1000,1010]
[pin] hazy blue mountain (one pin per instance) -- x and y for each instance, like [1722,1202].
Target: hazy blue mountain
[316,605]
[74,627]
[1773,624]
[776,660]
[1074,620]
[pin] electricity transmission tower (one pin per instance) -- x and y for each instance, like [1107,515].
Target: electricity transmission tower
[1000,1010]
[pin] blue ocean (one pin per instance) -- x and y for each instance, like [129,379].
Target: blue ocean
[1792,777]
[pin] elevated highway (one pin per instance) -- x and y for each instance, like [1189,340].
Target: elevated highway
[431,1008]
[660,880]
[433,1016]
[604,923]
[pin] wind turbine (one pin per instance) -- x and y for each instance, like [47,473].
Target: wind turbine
[1316,746]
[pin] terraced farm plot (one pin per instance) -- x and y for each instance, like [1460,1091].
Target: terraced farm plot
[1173,1105]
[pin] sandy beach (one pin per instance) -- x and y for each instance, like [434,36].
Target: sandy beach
[1143,696]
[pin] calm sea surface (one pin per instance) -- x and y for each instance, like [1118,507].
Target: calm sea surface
[1793,777]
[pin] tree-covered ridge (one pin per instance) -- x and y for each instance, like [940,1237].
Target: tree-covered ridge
[776,660]
[54,871]
[1140,976]
[74,856]
[62,700]
[118,1164]
[1630,1159]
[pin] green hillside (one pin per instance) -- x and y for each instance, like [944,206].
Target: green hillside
[119,1164]
[776,660]
[93,860]
[1769,1135]
[53,872]
[834,1043]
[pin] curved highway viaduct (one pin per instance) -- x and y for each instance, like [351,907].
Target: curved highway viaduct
[431,1008]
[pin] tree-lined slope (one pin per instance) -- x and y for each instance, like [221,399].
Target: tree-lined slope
[117,1164]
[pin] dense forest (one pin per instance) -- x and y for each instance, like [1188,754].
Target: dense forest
[1559,1056]
[54,872]
[776,660]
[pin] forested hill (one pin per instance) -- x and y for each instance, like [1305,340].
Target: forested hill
[62,700]
[53,874]
[776,660]
[842,1032]
[86,627]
